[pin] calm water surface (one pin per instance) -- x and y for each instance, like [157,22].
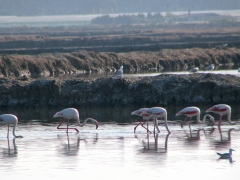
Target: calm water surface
[113,151]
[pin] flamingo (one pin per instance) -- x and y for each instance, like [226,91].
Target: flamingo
[138,113]
[72,113]
[157,112]
[194,111]
[10,119]
[221,109]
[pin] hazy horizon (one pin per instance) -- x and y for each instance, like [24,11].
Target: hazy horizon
[81,7]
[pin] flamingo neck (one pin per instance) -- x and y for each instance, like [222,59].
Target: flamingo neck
[205,117]
[166,124]
[229,118]
[85,121]
[198,118]
[14,128]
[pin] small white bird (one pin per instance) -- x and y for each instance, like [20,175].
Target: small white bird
[10,119]
[71,113]
[194,70]
[210,67]
[226,155]
[119,73]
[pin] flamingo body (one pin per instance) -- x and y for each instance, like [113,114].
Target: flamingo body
[194,111]
[72,113]
[221,109]
[157,112]
[189,111]
[10,119]
[69,113]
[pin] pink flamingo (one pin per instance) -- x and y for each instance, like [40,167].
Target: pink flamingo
[194,111]
[10,119]
[156,112]
[138,113]
[71,113]
[222,109]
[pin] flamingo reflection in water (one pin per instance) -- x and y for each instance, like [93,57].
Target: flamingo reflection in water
[72,113]
[225,139]
[10,119]
[222,109]
[192,111]
[11,152]
[149,146]
[71,148]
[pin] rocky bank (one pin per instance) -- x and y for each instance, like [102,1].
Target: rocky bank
[161,90]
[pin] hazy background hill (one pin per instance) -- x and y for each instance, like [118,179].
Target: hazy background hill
[71,7]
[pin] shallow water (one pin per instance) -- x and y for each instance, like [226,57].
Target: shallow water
[235,72]
[114,152]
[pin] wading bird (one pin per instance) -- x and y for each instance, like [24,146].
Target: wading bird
[194,111]
[226,155]
[156,112]
[222,109]
[145,119]
[10,119]
[71,113]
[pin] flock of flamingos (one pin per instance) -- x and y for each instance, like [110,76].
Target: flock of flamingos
[146,114]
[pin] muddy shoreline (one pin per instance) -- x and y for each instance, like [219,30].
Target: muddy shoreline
[162,90]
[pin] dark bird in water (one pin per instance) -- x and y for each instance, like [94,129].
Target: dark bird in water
[226,155]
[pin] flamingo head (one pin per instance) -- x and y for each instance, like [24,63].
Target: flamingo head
[96,123]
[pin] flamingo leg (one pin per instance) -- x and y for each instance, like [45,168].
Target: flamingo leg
[156,125]
[137,125]
[67,126]
[8,131]
[145,127]
[183,122]
[190,125]
[220,121]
